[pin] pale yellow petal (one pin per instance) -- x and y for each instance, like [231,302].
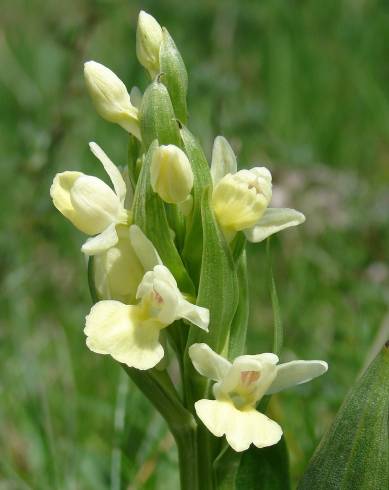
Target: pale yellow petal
[95,205]
[207,362]
[144,248]
[241,428]
[113,172]
[223,159]
[118,271]
[102,242]
[272,221]
[295,373]
[60,193]
[114,328]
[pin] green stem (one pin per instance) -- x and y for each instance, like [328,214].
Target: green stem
[158,387]
[205,458]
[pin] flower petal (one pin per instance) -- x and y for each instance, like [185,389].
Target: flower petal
[241,427]
[223,159]
[95,204]
[60,193]
[102,242]
[296,372]
[208,363]
[144,249]
[114,328]
[272,221]
[254,386]
[113,172]
[118,271]
[197,315]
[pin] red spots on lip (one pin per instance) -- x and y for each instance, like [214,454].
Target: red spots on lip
[158,298]
[248,377]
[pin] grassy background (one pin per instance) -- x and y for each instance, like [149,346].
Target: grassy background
[301,85]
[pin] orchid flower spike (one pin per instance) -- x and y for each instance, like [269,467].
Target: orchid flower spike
[91,205]
[239,387]
[130,333]
[240,200]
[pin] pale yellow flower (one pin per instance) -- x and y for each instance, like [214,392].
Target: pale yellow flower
[239,387]
[240,200]
[91,205]
[130,333]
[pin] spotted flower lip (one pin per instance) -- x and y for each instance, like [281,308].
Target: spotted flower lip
[91,205]
[239,386]
[130,333]
[240,199]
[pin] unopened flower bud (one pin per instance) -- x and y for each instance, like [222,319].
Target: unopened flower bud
[148,42]
[171,174]
[239,200]
[110,97]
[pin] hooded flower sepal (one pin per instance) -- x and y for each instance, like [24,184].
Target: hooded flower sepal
[130,333]
[239,387]
[91,205]
[240,199]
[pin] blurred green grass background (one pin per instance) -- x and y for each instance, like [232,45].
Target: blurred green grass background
[300,85]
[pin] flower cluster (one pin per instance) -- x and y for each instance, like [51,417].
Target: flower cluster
[166,247]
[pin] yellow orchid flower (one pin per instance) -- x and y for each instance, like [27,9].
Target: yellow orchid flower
[240,200]
[239,387]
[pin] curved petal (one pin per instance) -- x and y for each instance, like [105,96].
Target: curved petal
[223,159]
[272,221]
[144,249]
[95,204]
[113,172]
[114,328]
[197,315]
[295,373]
[241,427]
[102,242]
[207,362]
[60,194]
[117,271]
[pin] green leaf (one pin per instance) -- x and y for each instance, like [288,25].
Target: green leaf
[218,291]
[193,246]
[218,288]
[354,453]
[174,75]
[264,469]
[157,118]
[133,155]
[238,246]
[226,467]
[150,215]
[239,324]
[91,280]
[278,338]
